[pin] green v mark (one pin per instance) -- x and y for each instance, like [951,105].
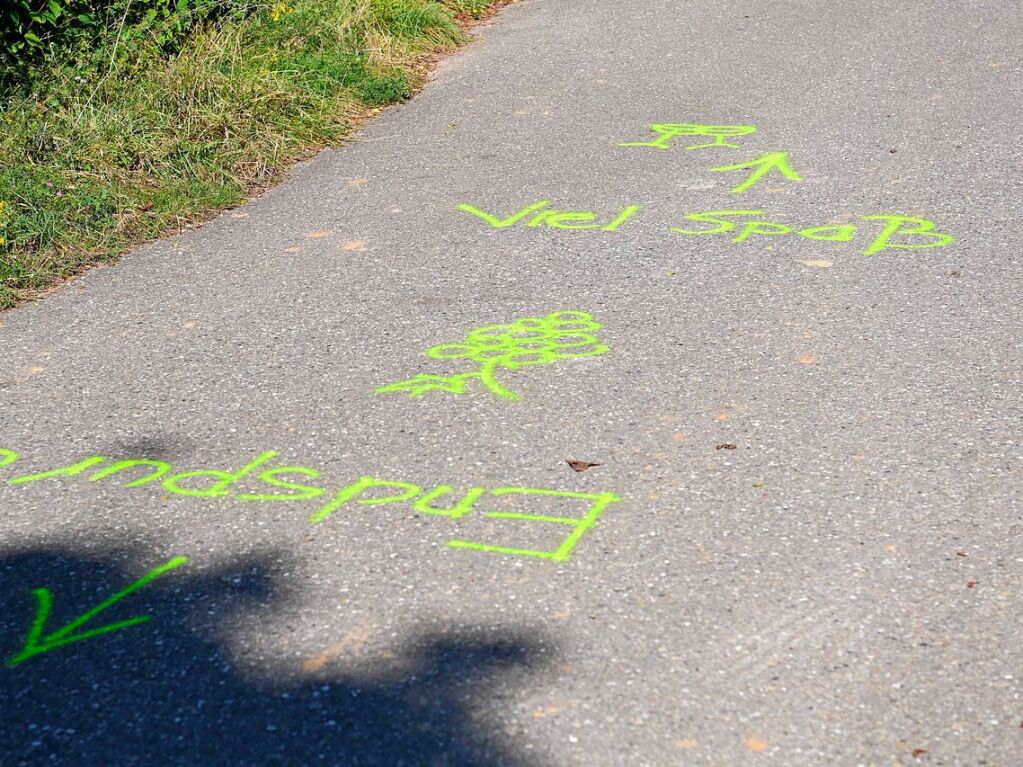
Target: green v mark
[501,223]
[36,643]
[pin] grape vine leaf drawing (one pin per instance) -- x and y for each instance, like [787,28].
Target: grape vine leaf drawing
[424,383]
[525,342]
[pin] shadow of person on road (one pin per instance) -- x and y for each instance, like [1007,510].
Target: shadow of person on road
[163,693]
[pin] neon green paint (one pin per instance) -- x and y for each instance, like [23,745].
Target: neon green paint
[501,223]
[304,492]
[37,644]
[714,217]
[761,166]
[555,219]
[563,553]
[525,342]
[669,131]
[161,468]
[530,517]
[761,227]
[459,510]
[574,339]
[65,471]
[836,233]
[921,227]
[627,212]
[409,491]
[538,219]
[217,488]
[7,457]
[894,226]
[559,219]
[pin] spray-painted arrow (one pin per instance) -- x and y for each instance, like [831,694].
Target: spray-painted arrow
[36,643]
[761,166]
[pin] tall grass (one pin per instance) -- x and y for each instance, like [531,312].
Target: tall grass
[94,159]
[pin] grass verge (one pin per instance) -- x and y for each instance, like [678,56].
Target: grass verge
[95,159]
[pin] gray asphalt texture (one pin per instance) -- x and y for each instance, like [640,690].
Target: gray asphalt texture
[843,587]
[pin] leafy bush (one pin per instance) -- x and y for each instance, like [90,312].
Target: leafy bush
[379,89]
[28,24]
[32,30]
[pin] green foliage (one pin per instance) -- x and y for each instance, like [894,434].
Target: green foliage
[78,31]
[379,89]
[472,8]
[411,21]
[123,134]
[26,23]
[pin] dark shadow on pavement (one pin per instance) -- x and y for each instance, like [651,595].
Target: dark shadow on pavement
[164,693]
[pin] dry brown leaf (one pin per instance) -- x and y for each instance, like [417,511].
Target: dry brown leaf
[540,713]
[756,745]
[353,642]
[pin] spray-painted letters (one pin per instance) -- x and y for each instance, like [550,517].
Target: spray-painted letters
[891,232]
[291,483]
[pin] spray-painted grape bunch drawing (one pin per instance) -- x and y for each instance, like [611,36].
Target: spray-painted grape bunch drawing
[523,343]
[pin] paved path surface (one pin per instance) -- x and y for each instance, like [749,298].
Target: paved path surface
[808,549]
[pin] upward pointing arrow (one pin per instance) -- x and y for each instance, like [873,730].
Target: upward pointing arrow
[761,166]
[36,643]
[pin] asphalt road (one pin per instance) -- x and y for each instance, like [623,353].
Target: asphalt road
[807,539]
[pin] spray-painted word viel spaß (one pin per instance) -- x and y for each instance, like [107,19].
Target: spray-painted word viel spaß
[877,232]
[258,481]
[525,342]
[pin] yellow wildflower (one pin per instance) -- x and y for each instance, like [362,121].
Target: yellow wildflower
[280,9]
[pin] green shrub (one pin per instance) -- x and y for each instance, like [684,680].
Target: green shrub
[34,30]
[379,89]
